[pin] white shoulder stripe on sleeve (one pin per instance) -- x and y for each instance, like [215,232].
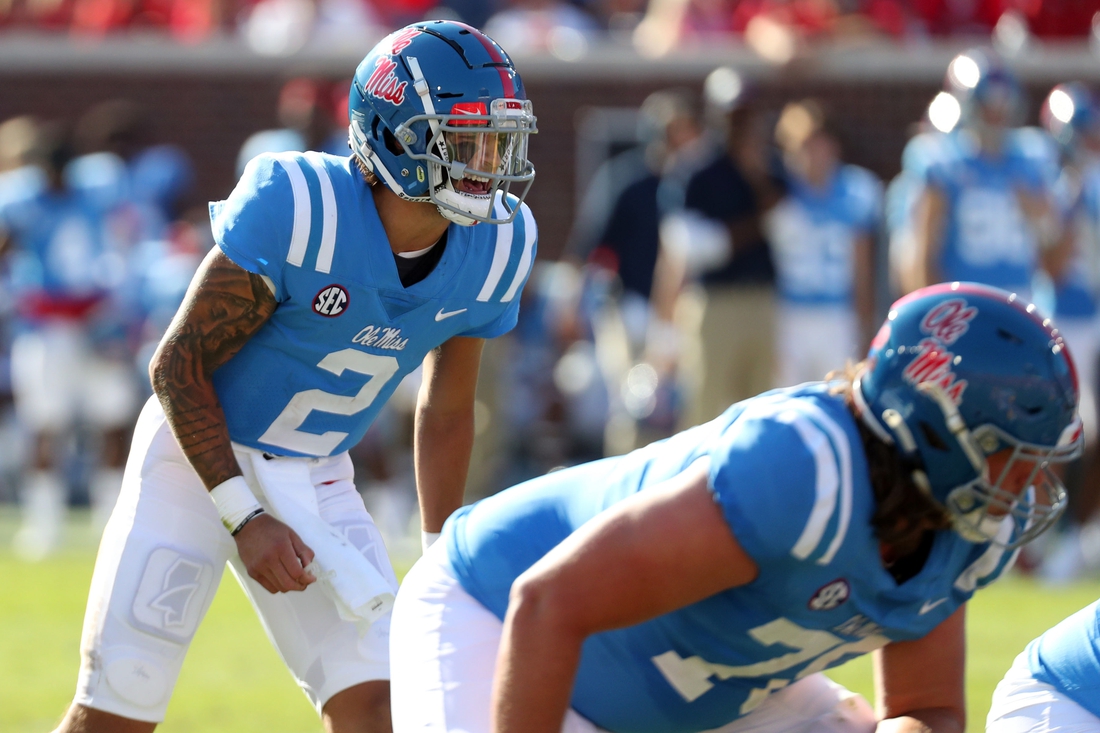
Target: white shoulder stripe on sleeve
[844,456]
[299,236]
[530,232]
[329,214]
[826,485]
[500,256]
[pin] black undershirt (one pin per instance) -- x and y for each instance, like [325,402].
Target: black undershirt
[908,566]
[412,270]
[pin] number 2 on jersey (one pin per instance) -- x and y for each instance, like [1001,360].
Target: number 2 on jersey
[284,432]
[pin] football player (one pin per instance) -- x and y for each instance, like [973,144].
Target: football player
[985,213]
[1071,115]
[333,278]
[68,359]
[822,235]
[704,582]
[1053,683]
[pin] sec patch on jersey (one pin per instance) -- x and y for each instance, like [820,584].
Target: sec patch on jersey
[331,301]
[830,595]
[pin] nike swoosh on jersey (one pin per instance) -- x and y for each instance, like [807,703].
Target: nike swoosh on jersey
[442,314]
[929,605]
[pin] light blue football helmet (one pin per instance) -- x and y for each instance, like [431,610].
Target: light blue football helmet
[958,372]
[979,78]
[1070,113]
[438,112]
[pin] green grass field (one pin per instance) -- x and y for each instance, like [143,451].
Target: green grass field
[233,681]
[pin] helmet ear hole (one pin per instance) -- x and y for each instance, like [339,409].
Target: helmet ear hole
[932,437]
[391,143]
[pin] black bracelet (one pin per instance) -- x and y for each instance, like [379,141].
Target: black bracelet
[245,521]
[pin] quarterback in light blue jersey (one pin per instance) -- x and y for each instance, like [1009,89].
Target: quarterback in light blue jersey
[702,583]
[985,213]
[333,278]
[1054,684]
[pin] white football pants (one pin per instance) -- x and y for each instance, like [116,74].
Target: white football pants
[1022,704]
[159,565]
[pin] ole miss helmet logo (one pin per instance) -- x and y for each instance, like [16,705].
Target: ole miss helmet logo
[384,84]
[400,41]
[933,363]
[331,301]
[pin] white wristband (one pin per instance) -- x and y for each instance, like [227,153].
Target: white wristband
[235,502]
[427,538]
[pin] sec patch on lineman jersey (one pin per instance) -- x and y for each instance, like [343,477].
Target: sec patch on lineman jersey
[830,595]
[331,301]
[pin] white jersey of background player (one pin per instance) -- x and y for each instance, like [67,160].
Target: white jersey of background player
[822,236]
[333,278]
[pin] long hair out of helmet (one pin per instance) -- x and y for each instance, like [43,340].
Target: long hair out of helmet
[439,114]
[961,371]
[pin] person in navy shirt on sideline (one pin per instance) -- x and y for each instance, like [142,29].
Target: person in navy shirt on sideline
[1054,684]
[332,279]
[704,582]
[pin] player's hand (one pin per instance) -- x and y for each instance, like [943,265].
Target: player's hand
[274,555]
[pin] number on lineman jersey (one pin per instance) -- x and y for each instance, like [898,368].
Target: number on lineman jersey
[690,677]
[284,431]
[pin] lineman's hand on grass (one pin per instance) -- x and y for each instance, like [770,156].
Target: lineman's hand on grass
[274,555]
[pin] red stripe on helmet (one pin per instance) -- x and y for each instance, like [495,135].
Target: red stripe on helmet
[494,53]
[490,46]
[506,82]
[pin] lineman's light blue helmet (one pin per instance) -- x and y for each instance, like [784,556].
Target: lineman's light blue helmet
[960,371]
[440,115]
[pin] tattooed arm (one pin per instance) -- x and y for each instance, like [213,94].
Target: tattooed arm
[224,307]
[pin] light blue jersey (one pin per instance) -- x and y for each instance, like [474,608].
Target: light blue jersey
[1076,291]
[346,331]
[986,236]
[813,234]
[60,264]
[1067,657]
[921,153]
[788,471]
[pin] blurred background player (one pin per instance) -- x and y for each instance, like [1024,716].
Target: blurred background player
[617,238]
[823,235]
[311,113]
[984,214]
[714,287]
[931,143]
[1071,115]
[65,373]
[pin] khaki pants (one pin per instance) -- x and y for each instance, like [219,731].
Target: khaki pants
[729,349]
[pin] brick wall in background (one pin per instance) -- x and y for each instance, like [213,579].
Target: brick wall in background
[210,114]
